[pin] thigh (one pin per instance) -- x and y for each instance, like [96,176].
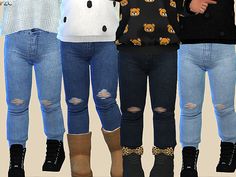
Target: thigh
[75,66]
[132,82]
[18,71]
[191,76]
[104,70]
[222,75]
[163,81]
[48,69]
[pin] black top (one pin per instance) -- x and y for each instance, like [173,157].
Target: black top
[217,25]
[148,25]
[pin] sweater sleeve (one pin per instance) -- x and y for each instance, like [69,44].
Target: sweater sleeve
[187,10]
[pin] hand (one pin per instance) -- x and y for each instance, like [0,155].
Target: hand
[200,6]
[1,2]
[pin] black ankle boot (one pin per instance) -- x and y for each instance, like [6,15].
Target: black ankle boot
[55,156]
[164,162]
[17,157]
[227,158]
[190,157]
[132,165]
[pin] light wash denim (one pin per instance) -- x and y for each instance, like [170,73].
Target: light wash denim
[23,51]
[219,61]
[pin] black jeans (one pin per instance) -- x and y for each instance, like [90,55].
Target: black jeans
[162,72]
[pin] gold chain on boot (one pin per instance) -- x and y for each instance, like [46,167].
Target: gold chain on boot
[168,151]
[127,151]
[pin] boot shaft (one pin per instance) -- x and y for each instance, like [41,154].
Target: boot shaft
[190,158]
[17,156]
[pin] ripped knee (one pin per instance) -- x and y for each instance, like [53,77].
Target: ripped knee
[46,103]
[160,109]
[75,101]
[104,94]
[190,106]
[134,109]
[220,107]
[17,102]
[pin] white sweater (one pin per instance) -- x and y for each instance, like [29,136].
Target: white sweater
[88,20]
[27,14]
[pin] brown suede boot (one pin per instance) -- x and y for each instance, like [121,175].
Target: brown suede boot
[80,150]
[113,142]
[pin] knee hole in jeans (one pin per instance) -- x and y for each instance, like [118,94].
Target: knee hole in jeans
[75,101]
[104,94]
[220,107]
[160,109]
[17,102]
[46,103]
[190,106]
[134,109]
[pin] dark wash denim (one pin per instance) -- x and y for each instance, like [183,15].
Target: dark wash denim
[24,51]
[78,59]
[134,71]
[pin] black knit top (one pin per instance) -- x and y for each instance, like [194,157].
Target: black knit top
[217,25]
[147,25]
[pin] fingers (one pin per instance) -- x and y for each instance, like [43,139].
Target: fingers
[210,1]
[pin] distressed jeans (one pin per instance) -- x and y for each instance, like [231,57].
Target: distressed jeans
[78,59]
[219,61]
[134,71]
[23,51]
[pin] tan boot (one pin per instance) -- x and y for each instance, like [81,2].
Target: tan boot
[80,150]
[113,142]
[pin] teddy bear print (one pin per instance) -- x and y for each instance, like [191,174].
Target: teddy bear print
[164,41]
[163,12]
[149,28]
[170,29]
[149,0]
[136,42]
[117,42]
[126,29]
[124,3]
[134,12]
[172,3]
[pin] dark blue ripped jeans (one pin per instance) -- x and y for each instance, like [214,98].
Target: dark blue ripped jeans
[77,59]
[136,71]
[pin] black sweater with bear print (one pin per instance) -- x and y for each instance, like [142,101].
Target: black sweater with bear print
[149,25]
[216,25]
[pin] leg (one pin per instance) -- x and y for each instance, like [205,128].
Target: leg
[18,75]
[163,81]
[75,63]
[222,80]
[163,85]
[191,75]
[48,73]
[191,89]
[104,69]
[133,88]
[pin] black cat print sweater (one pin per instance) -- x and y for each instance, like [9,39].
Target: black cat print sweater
[149,25]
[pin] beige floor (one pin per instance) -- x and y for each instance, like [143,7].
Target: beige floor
[100,158]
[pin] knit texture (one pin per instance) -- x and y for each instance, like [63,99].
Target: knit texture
[21,15]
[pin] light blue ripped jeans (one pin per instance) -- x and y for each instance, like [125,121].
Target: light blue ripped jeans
[23,51]
[219,61]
